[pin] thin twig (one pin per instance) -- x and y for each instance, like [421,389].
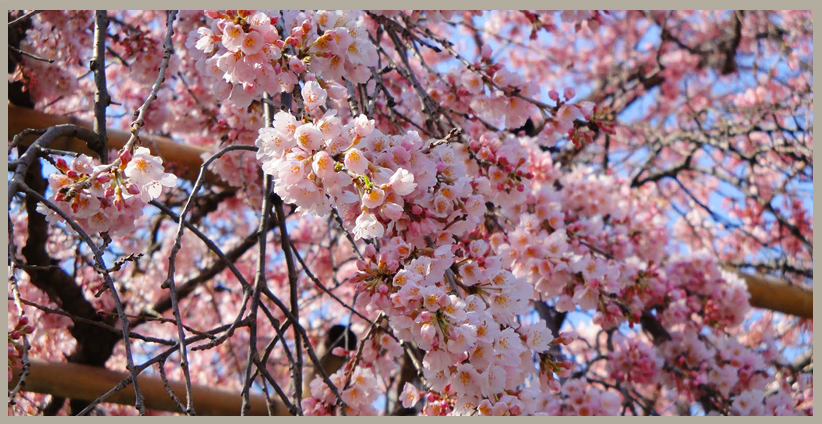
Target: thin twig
[31,55]
[161,367]
[23,18]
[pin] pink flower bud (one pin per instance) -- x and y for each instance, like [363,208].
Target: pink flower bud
[61,164]
[125,156]
[553,95]
[15,335]
[338,351]
[104,178]
[73,174]
[133,189]
[23,320]
[569,93]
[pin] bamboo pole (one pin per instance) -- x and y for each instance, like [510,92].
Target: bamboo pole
[777,295]
[187,157]
[88,383]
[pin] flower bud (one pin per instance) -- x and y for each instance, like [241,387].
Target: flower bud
[61,164]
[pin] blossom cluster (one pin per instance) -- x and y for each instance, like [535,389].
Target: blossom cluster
[248,53]
[357,380]
[107,198]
